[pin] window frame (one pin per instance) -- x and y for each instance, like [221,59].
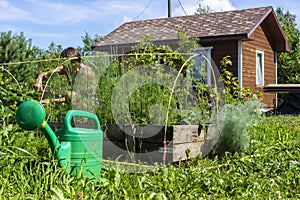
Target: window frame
[207,54]
[260,82]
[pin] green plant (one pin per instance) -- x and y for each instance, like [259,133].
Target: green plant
[233,91]
[12,93]
[288,62]
[268,168]
[159,65]
[233,122]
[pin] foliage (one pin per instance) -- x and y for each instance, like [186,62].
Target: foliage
[11,95]
[270,168]
[185,44]
[144,45]
[233,123]
[145,96]
[54,50]
[160,66]
[87,43]
[202,9]
[107,81]
[16,49]
[233,91]
[289,62]
[20,64]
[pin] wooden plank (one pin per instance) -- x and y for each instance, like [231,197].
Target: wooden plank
[113,132]
[150,150]
[113,150]
[175,152]
[179,150]
[154,133]
[186,133]
[282,88]
[151,133]
[55,125]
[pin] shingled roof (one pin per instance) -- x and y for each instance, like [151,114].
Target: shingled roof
[237,24]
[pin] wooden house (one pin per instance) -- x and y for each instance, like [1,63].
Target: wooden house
[252,37]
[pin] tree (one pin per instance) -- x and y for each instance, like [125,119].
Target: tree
[289,62]
[185,44]
[54,50]
[17,49]
[204,9]
[87,41]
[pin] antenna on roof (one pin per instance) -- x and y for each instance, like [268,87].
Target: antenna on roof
[169,8]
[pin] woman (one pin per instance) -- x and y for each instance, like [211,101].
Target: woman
[79,77]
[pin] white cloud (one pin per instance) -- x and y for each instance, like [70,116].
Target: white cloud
[51,35]
[11,13]
[190,6]
[48,12]
[127,19]
[4,4]
[218,5]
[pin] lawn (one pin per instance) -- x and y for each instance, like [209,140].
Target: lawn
[269,169]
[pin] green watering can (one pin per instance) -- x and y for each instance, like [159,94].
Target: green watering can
[79,150]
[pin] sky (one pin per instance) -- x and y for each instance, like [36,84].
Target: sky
[66,21]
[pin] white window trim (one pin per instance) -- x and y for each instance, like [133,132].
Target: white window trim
[276,73]
[240,63]
[263,68]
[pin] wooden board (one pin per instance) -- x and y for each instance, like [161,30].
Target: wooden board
[186,151]
[282,88]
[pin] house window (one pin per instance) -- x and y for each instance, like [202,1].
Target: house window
[259,68]
[201,70]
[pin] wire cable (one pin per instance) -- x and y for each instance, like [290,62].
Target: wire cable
[142,11]
[182,7]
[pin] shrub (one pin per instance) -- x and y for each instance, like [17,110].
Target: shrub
[232,125]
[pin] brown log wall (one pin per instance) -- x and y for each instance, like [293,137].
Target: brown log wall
[249,48]
[222,49]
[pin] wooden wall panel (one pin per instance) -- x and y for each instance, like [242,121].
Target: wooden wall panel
[261,43]
[249,47]
[222,49]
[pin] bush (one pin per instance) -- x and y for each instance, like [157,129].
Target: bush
[233,122]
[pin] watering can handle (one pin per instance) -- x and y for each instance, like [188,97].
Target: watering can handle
[79,113]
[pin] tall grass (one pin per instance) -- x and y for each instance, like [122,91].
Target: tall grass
[269,169]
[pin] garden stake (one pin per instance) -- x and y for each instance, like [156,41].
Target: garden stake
[164,156]
[79,150]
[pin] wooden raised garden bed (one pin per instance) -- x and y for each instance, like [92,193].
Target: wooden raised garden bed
[183,142]
[141,145]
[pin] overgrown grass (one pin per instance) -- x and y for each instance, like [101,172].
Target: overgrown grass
[269,169]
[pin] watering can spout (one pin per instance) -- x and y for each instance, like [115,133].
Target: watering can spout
[31,115]
[51,137]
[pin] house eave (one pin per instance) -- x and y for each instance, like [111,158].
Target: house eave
[126,47]
[240,36]
[283,40]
